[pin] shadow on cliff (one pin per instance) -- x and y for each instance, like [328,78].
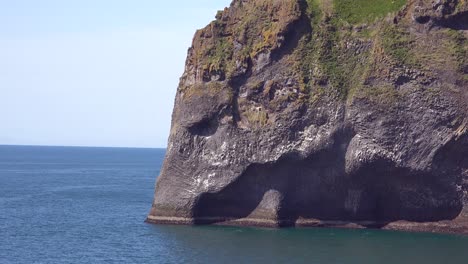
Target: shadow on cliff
[458,21]
[317,187]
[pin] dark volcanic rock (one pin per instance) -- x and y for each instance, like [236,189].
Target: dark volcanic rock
[289,115]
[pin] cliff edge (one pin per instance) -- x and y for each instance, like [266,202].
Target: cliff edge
[322,113]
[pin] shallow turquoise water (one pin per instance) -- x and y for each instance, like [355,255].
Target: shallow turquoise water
[87,205]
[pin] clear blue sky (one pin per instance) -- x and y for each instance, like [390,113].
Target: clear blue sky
[93,72]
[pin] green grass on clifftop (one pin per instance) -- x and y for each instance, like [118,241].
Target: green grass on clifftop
[365,11]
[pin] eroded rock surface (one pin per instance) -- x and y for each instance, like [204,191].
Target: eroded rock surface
[288,114]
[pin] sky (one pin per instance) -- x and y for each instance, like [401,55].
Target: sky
[94,73]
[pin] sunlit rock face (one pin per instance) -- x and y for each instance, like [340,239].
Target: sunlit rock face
[305,113]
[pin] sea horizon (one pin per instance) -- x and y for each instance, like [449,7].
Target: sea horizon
[79,146]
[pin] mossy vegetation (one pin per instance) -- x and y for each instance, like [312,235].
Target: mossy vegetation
[315,10]
[459,49]
[383,95]
[342,50]
[318,55]
[261,25]
[219,55]
[398,43]
[365,33]
[249,30]
[207,89]
[257,30]
[256,117]
[365,11]
[326,65]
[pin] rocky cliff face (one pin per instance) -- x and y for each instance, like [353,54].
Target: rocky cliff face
[322,113]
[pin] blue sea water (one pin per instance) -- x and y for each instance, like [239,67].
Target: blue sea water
[88,205]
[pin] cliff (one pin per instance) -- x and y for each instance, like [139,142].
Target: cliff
[322,113]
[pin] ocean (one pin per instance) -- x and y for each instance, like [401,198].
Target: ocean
[88,205]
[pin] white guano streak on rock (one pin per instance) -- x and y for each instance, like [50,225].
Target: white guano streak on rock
[218,157]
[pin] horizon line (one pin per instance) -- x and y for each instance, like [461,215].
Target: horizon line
[75,146]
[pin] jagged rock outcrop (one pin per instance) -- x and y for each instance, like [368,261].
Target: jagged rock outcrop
[310,113]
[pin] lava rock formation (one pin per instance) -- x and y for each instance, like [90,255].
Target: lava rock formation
[322,113]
